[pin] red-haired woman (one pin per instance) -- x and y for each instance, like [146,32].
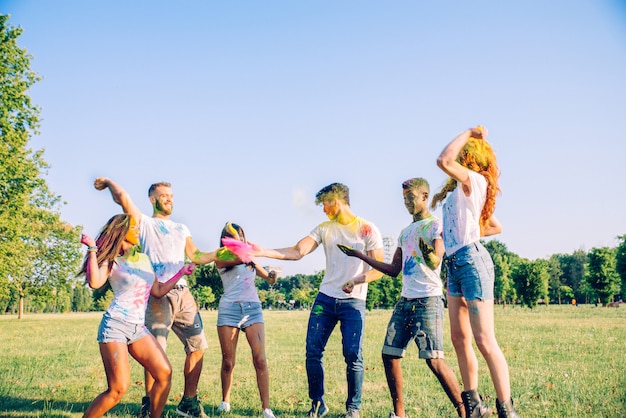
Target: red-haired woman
[469,199]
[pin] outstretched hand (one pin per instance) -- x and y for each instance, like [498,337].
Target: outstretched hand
[187,269]
[425,248]
[100,183]
[349,251]
[87,240]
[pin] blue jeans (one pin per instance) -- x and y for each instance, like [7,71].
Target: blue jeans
[326,312]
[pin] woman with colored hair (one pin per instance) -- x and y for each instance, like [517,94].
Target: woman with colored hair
[469,199]
[116,257]
[240,309]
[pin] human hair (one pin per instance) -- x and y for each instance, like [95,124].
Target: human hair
[159,184]
[109,241]
[332,191]
[232,230]
[416,183]
[477,155]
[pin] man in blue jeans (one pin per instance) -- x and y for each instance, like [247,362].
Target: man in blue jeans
[338,299]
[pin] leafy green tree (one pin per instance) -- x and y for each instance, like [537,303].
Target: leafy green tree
[81,298]
[102,302]
[205,297]
[573,268]
[208,276]
[384,292]
[602,275]
[620,263]
[503,262]
[30,224]
[531,281]
[303,297]
[554,284]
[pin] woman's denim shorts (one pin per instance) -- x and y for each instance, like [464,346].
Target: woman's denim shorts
[470,273]
[113,330]
[239,314]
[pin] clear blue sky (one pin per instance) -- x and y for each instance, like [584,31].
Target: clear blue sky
[250,107]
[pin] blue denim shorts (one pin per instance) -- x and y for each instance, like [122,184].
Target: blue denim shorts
[419,320]
[470,273]
[113,330]
[239,314]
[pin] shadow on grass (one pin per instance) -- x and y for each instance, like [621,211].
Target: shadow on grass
[11,407]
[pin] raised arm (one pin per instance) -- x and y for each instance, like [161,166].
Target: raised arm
[119,195]
[161,289]
[392,269]
[447,160]
[96,275]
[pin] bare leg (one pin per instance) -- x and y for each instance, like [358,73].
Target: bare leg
[192,370]
[255,334]
[151,356]
[482,323]
[448,381]
[228,336]
[115,360]
[393,372]
[461,333]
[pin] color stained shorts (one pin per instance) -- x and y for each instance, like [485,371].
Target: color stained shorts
[419,320]
[176,311]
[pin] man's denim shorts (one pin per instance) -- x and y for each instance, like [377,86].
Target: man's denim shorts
[419,320]
[239,314]
[113,330]
[470,273]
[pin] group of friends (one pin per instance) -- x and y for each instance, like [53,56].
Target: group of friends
[146,258]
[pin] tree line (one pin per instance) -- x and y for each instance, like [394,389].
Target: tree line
[40,254]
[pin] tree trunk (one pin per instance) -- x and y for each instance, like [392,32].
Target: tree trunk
[20,311]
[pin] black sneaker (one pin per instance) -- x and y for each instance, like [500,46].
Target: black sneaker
[191,408]
[144,412]
[318,409]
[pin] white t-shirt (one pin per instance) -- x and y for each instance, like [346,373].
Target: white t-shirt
[131,280]
[418,280]
[238,284]
[164,240]
[359,234]
[461,214]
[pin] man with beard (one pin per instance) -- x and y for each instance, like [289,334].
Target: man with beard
[167,243]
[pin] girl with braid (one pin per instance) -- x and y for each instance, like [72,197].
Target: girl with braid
[469,199]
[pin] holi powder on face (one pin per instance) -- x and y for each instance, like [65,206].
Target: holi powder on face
[239,248]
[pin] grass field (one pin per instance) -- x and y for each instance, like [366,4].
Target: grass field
[564,362]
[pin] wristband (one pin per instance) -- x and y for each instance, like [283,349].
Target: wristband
[92,249]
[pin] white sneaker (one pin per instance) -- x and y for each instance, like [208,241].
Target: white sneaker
[224,407]
[267,413]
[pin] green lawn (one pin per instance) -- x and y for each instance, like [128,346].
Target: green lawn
[564,362]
